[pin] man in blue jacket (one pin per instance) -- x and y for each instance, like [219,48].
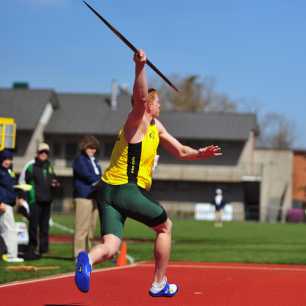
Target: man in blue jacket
[8,199]
[86,174]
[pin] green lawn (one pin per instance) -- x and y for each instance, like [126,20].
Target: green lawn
[235,242]
[192,241]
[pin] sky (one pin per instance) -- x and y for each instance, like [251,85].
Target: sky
[254,50]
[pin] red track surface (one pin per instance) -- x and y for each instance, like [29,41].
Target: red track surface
[200,284]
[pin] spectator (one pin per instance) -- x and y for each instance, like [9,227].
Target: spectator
[8,199]
[86,173]
[219,204]
[40,174]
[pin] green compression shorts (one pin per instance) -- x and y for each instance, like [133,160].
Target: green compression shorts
[117,202]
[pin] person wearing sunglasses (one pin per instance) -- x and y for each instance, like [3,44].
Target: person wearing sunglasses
[39,173]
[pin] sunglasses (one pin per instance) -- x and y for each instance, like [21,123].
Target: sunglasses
[43,151]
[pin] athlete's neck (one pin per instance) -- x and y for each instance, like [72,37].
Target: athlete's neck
[147,117]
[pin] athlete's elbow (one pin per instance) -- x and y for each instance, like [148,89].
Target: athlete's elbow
[138,98]
[176,151]
[181,154]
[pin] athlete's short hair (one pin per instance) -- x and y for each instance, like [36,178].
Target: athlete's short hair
[152,94]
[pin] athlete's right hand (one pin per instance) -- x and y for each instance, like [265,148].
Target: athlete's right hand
[140,57]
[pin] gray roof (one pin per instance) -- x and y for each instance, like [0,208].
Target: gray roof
[25,106]
[91,114]
[209,125]
[88,114]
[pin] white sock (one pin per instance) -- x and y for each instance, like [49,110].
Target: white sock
[156,287]
[90,260]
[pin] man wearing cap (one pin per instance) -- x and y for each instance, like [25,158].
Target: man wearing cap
[8,199]
[40,174]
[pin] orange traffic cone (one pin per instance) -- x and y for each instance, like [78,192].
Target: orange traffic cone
[122,258]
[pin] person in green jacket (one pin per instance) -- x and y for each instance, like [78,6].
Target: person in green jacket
[39,173]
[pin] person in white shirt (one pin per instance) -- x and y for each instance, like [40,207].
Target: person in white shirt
[219,204]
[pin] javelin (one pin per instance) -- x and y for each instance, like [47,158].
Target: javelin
[129,44]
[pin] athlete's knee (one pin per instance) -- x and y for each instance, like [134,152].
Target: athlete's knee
[111,251]
[169,225]
[165,228]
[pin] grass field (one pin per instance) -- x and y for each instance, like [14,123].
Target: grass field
[192,241]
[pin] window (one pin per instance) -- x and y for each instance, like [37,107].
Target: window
[7,133]
[71,150]
[57,149]
[108,148]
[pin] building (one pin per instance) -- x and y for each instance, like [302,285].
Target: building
[299,178]
[275,183]
[243,172]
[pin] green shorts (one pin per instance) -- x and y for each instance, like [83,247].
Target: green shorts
[117,202]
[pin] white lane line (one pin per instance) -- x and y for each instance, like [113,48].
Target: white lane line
[232,267]
[66,275]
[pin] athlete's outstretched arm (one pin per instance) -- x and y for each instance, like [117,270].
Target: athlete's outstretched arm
[180,151]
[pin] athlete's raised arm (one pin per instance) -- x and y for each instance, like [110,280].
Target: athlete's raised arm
[140,88]
[180,151]
[140,92]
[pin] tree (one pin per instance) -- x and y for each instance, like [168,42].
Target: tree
[195,95]
[276,131]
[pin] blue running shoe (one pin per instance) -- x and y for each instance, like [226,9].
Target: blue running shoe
[82,272]
[168,291]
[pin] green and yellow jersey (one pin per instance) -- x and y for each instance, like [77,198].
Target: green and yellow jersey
[133,162]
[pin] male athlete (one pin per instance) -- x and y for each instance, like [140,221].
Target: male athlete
[124,190]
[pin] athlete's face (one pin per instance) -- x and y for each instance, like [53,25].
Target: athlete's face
[154,106]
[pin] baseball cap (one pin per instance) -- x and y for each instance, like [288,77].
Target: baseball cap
[43,147]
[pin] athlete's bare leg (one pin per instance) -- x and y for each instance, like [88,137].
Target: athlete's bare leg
[106,250]
[162,249]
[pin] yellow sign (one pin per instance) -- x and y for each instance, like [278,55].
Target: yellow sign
[7,133]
